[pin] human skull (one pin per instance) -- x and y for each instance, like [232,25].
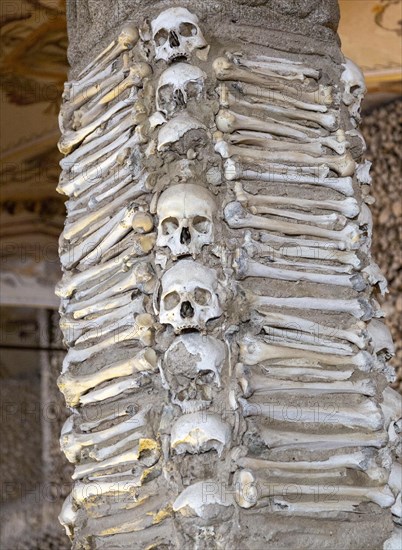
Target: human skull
[189,296]
[176,129]
[191,365]
[186,213]
[355,87]
[177,85]
[176,34]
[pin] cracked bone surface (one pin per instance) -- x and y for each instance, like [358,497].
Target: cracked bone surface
[226,370]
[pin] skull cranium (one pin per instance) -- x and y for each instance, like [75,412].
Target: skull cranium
[189,296]
[176,34]
[355,87]
[186,213]
[191,365]
[177,85]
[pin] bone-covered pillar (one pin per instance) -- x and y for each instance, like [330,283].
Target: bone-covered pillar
[226,370]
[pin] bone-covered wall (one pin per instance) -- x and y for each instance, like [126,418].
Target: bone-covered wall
[227,367]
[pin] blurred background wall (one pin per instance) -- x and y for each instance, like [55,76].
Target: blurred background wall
[33,66]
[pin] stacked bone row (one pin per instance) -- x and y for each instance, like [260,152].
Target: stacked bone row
[309,365]
[106,298]
[225,348]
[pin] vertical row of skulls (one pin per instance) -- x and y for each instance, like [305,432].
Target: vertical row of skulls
[192,298]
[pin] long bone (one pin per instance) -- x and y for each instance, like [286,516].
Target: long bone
[343,165]
[73,387]
[229,122]
[362,461]
[112,230]
[75,252]
[95,418]
[117,232]
[79,98]
[234,170]
[88,178]
[99,137]
[366,415]
[284,439]
[97,287]
[328,221]
[74,229]
[110,147]
[355,334]
[238,218]
[294,372]
[103,453]
[258,139]
[119,177]
[258,350]
[72,443]
[292,336]
[292,250]
[348,207]
[132,456]
[277,96]
[71,282]
[96,332]
[72,138]
[328,119]
[250,487]
[126,40]
[73,329]
[102,306]
[113,389]
[252,384]
[226,71]
[75,87]
[359,308]
[305,133]
[249,268]
[264,64]
[134,79]
[141,331]
[139,277]
[140,244]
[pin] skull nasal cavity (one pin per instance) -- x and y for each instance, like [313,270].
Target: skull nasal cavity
[186,310]
[185,236]
[173,40]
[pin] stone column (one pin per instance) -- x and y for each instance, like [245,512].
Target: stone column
[226,370]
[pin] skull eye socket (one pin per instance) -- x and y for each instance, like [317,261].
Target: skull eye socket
[169,226]
[161,37]
[202,296]
[171,300]
[201,224]
[187,29]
